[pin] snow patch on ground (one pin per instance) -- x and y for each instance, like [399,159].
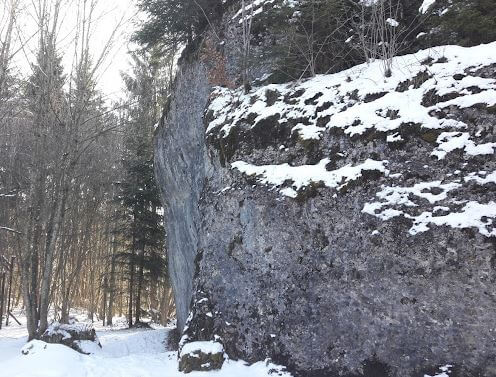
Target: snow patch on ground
[125,353]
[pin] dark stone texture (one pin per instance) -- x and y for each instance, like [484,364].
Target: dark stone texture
[304,281]
[200,361]
[180,166]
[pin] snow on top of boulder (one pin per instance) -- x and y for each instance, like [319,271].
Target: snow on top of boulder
[301,176]
[57,329]
[358,99]
[206,347]
[36,354]
[64,329]
[398,201]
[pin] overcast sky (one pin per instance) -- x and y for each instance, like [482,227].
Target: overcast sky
[118,60]
[109,14]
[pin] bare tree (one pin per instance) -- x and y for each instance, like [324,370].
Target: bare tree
[379,32]
[246,23]
[60,147]
[10,10]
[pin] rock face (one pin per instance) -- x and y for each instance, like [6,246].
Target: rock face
[341,226]
[180,171]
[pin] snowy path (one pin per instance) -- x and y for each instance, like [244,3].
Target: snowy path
[125,353]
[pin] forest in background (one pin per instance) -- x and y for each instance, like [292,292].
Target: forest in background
[80,218]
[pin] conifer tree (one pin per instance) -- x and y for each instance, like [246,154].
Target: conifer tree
[139,193]
[173,22]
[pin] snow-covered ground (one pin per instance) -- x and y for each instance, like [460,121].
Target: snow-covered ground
[124,353]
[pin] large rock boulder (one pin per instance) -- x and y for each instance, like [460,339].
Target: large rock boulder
[76,336]
[344,225]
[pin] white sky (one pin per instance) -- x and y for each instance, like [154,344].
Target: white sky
[108,15]
[118,60]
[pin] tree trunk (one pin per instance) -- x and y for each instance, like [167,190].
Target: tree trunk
[2,297]
[52,235]
[140,283]
[104,300]
[12,260]
[29,303]
[112,287]
[29,255]
[131,281]
[64,317]
[153,294]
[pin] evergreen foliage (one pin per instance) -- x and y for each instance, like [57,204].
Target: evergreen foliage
[174,22]
[303,38]
[314,33]
[463,22]
[139,193]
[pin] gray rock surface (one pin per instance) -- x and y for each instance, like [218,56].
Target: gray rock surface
[314,282]
[201,356]
[180,169]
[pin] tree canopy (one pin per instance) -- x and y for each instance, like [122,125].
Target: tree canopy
[173,22]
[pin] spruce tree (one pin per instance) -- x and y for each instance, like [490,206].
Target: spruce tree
[139,194]
[174,22]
